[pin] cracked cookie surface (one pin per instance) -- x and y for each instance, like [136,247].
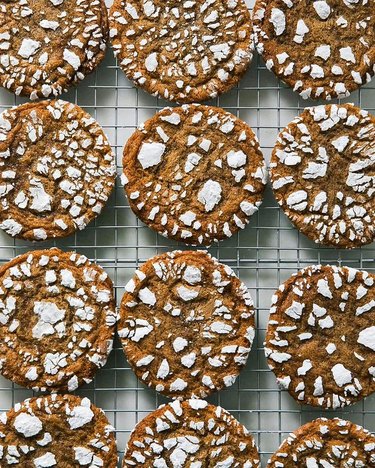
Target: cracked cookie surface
[320,340]
[191,433]
[326,443]
[323,174]
[323,48]
[57,170]
[184,51]
[186,324]
[61,431]
[57,320]
[194,173]
[46,46]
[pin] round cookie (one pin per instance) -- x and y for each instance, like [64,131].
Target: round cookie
[186,324]
[57,320]
[56,430]
[57,170]
[46,46]
[320,340]
[324,49]
[191,433]
[322,172]
[194,173]
[326,443]
[184,51]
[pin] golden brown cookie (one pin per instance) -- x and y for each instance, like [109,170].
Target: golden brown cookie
[57,320]
[320,339]
[191,434]
[57,170]
[326,443]
[184,51]
[323,174]
[194,173]
[322,48]
[62,431]
[46,46]
[186,324]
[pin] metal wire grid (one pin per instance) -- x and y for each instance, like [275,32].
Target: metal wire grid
[266,253]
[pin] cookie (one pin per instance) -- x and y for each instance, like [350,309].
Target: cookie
[56,431]
[322,172]
[57,170]
[191,433]
[46,46]
[320,340]
[182,51]
[186,324]
[324,49]
[194,173]
[57,319]
[326,443]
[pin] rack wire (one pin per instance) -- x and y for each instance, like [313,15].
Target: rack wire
[265,254]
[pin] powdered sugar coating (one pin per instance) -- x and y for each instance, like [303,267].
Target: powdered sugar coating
[57,170]
[188,434]
[46,46]
[54,333]
[326,443]
[27,425]
[38,433]
[194,173]
[323,174]
[184,51]
[319,340]
[195,337]
[328,47]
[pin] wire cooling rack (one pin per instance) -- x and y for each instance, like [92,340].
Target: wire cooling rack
[265,254]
